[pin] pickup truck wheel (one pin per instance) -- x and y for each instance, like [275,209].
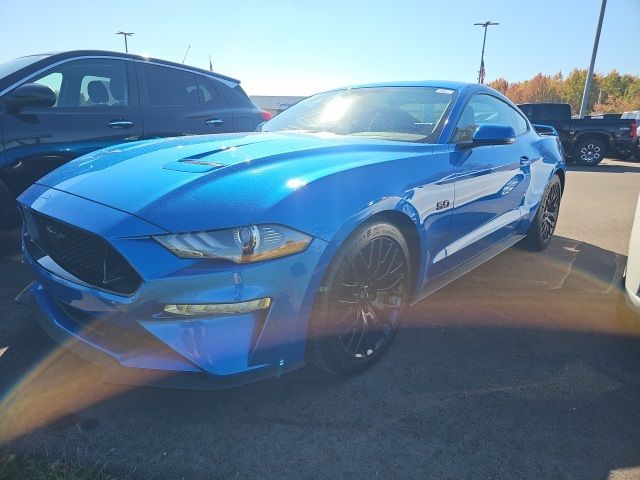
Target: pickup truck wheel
[589,152]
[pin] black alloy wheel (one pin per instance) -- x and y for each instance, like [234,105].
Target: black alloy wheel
[357,313]
[544,223]
[550,211]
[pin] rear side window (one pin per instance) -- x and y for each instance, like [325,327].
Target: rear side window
[210,93]
[169,87]
[239,89]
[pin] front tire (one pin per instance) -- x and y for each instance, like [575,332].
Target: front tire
[364,294]
[589,152]
[544,223]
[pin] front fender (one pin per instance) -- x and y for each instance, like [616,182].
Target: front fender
[322,210]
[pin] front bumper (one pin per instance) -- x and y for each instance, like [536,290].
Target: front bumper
[134,332]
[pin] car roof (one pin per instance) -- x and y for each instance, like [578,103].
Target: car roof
[107,53]
[451,85]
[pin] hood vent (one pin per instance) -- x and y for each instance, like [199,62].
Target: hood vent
[198,163]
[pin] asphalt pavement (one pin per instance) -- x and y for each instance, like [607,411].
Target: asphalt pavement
[528,367]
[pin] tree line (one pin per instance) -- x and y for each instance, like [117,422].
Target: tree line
[610,93]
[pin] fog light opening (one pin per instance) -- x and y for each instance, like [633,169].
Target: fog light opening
[218,308]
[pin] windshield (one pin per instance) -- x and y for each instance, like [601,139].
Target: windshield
[11,66]
[409,114]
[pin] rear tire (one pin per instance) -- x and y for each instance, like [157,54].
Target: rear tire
[636,153]
[544,223]
[626,155]
[589,152]
[364,294]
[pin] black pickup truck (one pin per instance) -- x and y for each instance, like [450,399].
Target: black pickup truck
[587,140]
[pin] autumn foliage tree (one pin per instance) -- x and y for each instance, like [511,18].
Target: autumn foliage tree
[610,93]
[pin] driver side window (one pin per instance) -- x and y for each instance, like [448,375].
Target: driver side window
[481,109]
[100,83]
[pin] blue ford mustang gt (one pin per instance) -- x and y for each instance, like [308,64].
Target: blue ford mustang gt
[241,256]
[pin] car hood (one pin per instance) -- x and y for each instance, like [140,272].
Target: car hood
[216,181]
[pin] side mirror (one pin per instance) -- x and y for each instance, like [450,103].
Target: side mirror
[493,134]
[30,95]
[546,130]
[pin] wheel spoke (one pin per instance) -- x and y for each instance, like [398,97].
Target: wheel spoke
[352,325]
[390,288]
[364,331]
[368,295]
[395,255]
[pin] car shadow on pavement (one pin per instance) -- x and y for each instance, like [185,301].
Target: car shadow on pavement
[618,167]
[9,244]
[528,367]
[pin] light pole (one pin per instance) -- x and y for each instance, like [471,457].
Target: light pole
[587,83]
[481,72]
[125,35]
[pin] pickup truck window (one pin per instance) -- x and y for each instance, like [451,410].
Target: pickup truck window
[548,112]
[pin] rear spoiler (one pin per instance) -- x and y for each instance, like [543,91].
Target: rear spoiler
[545,130]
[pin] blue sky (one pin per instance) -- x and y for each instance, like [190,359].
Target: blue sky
[297,47]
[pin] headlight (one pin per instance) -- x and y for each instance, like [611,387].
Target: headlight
[251,243]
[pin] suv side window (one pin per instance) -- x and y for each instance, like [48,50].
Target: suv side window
[170,87]
[87,83]
[210,93]
[481,109]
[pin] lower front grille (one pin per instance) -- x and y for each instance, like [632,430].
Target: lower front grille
[84,255]
[106,333]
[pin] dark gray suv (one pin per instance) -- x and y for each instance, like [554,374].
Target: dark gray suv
[56,107]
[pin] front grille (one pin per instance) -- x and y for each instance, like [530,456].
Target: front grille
[84,255]
[106,333]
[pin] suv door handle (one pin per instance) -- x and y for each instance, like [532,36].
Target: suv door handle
[524,161]
[216,122]
[120,124]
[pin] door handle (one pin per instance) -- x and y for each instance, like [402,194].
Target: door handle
[216,122]
[120,124]
[525,161]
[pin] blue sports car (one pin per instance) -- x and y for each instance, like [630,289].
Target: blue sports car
[240,256]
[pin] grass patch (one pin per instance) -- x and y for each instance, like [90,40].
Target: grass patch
[20,467]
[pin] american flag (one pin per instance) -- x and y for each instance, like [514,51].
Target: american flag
[482,72]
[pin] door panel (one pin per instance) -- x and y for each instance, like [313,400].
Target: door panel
[96,107]
[490,183]
[176,102]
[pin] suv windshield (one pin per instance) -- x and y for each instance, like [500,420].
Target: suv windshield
[409,114]
[11,66]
